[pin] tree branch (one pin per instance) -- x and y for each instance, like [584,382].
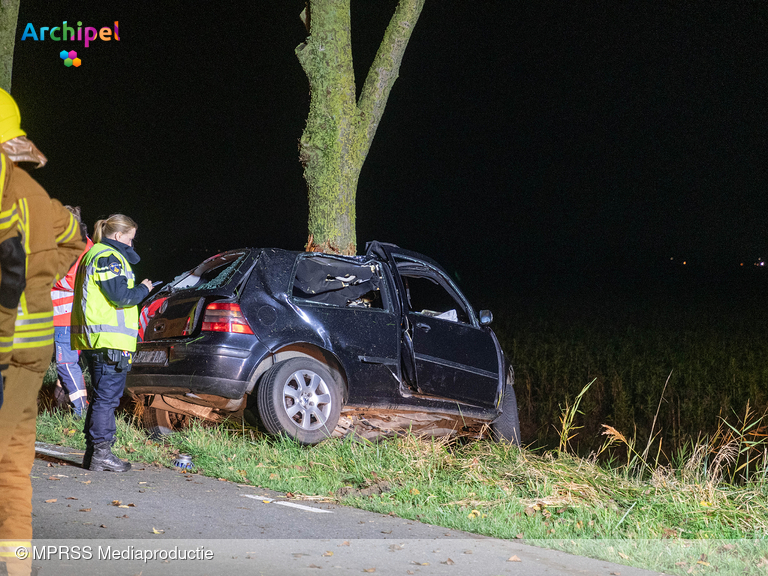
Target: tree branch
[384,71]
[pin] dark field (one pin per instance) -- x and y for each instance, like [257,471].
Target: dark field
[707,330]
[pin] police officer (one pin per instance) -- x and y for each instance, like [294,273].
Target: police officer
[39,241]
[105,323]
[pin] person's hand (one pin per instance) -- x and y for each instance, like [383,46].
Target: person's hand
[147,283]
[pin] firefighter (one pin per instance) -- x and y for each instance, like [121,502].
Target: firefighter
[105,323]
[39,241]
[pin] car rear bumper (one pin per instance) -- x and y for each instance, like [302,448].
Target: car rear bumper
[220,364]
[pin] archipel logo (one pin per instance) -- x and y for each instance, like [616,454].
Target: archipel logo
[70,58]
[67,33]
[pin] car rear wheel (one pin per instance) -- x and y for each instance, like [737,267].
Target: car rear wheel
[160,423]
[506,428]
[300,399]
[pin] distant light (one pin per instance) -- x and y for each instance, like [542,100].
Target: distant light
[684,262]
[671,258]
[742,264]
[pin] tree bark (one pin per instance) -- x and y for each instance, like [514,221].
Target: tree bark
[339,130]
[9,14]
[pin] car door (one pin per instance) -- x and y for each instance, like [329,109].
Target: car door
[454,356]
[346,301]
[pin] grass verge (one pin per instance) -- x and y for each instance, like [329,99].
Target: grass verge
[677,520]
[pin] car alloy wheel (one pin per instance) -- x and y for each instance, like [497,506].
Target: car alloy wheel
[299,398]
[307,399]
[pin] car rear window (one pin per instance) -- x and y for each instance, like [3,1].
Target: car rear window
[213,273]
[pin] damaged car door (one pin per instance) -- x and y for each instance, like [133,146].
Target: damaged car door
[454,356]
[347,300]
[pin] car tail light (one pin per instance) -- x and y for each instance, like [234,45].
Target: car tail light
[225,317]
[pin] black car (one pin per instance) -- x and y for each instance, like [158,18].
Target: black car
[296,339]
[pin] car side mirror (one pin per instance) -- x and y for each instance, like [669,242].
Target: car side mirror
[486,317]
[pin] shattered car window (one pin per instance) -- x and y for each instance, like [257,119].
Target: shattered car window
[212,273]
[339,283]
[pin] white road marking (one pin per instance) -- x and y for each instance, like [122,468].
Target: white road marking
[55,452]
[289,504]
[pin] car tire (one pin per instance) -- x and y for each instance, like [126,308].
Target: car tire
[506,428]
[300,399]
[159,423]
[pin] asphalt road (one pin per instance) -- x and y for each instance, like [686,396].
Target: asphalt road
[105,523]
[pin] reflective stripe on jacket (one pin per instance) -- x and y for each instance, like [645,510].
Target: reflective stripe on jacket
[63,292]
[97,322]
[51,241]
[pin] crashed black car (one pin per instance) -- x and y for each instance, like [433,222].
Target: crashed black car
[305,344]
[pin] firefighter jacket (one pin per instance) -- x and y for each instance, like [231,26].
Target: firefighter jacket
[49,240]
[105,312]
[63,293]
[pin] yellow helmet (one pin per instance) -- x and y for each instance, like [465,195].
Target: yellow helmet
[10,118]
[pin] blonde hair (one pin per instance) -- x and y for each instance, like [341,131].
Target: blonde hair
[115,223]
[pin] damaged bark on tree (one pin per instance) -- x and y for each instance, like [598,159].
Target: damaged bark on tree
[340,129]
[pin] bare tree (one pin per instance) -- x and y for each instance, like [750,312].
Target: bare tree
[340,128]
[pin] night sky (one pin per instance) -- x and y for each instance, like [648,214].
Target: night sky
[522,138]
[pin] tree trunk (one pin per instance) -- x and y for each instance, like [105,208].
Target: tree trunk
[9,14]
[339,130]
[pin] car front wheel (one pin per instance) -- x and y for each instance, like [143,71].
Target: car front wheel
[506,428]
[300,399]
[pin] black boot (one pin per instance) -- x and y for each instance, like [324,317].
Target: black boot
[103,459]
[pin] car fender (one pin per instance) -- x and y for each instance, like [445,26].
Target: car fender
[301,349]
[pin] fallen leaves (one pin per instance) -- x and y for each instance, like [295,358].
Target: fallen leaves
[84,510]
[51,501]
[369,570]
[449,562]
[623,555]
[514,559]
[327,553]
[156,531]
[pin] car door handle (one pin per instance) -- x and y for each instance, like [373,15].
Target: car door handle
[425,327]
